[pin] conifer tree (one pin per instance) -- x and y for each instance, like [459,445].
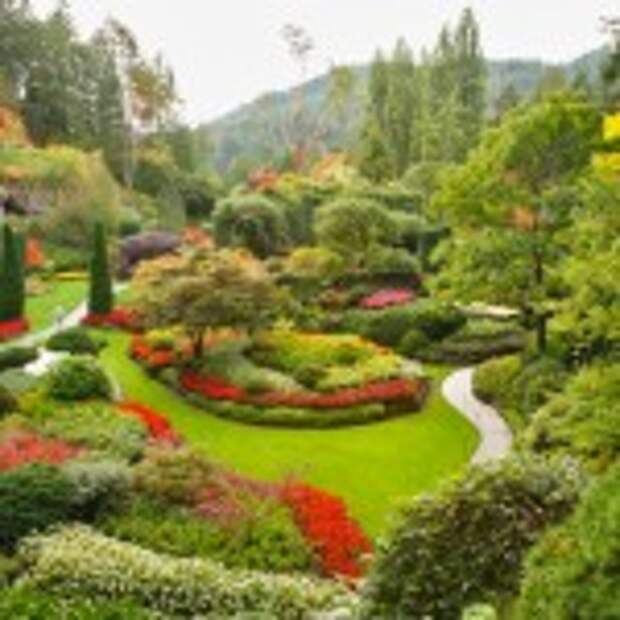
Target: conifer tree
[101,298]
[12,285]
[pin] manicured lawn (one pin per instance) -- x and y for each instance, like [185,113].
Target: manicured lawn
[371,466]
[41,308]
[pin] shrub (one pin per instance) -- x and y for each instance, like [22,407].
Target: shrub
[95,426]
[20,448]
[27,604]
[100,487]
[176,476]
[32,497]
[465,543]
[583,420]
[76,340]
[8,403]
[269,541]
[17,382]
[12,281]
[78,559]
[573,571]
[17,357]
[78,378]
[101,296]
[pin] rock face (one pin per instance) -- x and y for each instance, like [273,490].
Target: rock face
[145,246]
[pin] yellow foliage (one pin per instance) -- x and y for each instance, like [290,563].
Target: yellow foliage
[611,129]
[12,130]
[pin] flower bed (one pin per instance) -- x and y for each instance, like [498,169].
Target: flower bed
[13,329]
[157,425]
[22,447]
[120,318]
[386,298]
[323,518]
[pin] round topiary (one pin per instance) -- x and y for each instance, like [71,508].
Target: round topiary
[75,340]
[78,378]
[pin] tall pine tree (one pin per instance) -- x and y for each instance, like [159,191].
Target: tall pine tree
[101,296]
[12,278]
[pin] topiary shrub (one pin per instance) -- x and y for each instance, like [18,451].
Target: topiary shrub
[465,543]
[77,341]
[32,497]
[573,571]
[17,357]
[101,296]
[79,378]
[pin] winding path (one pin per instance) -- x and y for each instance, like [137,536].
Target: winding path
[496,437]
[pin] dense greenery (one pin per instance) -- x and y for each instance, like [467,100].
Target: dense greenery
[12,283]
[101,297]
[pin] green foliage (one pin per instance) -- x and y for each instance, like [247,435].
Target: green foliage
[32,498]
[17,357]
[8,402]
[76,340]
[26,604]
[78,378]
[78,558]
[101,487]
[17,381]
[267,541]
[465,543]
[173,476]
[573,571]
[101,296]
[252,221]
[12,282]
[582,421]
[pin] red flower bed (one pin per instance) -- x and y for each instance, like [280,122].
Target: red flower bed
[157,425]
[386,298]
[121,318]
[211,387]
[323,519]
[13,329]
[22,448]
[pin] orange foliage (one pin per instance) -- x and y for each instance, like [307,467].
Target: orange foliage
[12,129]
[263,180]
[35,258]
[198,237]
[524,219]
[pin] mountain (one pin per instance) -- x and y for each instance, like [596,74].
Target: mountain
[250,133]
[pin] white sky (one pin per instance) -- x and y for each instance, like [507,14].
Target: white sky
[227,52]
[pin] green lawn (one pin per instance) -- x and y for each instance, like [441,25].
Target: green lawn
[371,466]
[41,308]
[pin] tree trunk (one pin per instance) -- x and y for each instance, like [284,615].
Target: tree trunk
[198,345]
[541,333]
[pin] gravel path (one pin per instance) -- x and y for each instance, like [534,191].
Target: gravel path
[496,437]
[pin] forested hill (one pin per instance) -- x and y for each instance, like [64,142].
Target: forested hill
[250,132]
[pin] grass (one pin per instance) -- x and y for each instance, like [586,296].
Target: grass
[41,309]
[371,466]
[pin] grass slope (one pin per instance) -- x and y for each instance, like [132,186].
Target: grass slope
[41,308]
[369,466]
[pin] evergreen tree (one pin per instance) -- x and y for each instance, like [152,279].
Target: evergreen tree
[508,99]
[12,280]
[101,297]
[374,159]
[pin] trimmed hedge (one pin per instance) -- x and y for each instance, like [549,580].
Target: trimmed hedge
[77,341]
[78,378]
[465,543]
[17,357]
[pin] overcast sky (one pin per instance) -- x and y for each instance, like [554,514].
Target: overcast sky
[226,52]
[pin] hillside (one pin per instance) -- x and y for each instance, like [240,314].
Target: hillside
[247,133]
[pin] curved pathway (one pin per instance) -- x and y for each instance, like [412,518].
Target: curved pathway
[496,436]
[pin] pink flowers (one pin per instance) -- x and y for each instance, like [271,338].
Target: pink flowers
[21,448]
[13,329]
[387,297]
[157,425]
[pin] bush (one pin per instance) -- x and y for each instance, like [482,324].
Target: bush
[78,378]
[268,542]
[17,382]
[17,357]
[583,420]
[28,604]
[8,403]
[78,559]
[77,341]
[175,476]
[573,571]
[101,487]
[465,543]
[32,497]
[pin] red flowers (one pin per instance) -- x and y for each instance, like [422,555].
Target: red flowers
[323,519]
[395,390]
[13,329]
[215,389]
[157,425]
[387,297]
[22,448]
[120,318]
